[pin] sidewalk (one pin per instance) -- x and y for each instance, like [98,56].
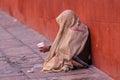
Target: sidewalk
[18,53]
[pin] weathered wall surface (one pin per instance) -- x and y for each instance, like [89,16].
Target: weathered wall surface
[102,17]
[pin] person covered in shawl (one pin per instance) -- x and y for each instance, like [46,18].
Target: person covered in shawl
[70,45]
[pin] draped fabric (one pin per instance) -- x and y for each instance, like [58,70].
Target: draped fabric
[70,41]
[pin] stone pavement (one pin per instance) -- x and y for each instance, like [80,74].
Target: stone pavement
[18,53]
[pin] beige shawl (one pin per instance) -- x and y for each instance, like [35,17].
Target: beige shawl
[69,42]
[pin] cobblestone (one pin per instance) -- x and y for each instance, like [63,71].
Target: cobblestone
[18,53]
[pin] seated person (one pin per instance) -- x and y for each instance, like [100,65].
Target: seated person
[71,46]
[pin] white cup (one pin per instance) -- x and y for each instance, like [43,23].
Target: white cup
[41,44]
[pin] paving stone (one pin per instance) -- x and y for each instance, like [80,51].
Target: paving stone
[22,56]
[19,51]
[6,21]
[5,35]
[1,28]
[82,74]
[17,28]
[42,79]
[26,34]
[4,64]
[6,70]
[0,54]
[79,76]
[25,62]
[9,43]
[40,74]
[103,76]
[15,78]
[38,79]
[15,25]
[76,77]
[33,79]
[2,59]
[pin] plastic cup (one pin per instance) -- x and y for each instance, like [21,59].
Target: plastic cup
[41,44]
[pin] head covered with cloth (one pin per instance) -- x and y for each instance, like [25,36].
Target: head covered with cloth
[69,42]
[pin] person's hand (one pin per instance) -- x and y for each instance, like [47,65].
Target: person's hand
[44,49]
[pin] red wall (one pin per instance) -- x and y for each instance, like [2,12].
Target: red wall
[102,17]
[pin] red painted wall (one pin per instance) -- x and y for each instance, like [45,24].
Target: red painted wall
[102,17]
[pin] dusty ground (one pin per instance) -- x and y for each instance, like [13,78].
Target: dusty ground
[18,53]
